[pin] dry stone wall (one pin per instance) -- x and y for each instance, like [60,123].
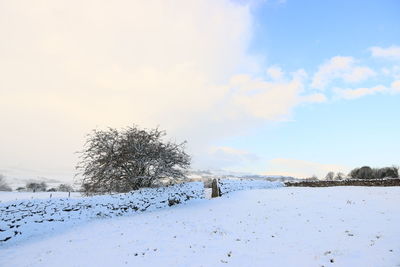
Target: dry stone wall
[353,182]
[229,185]
[21,219]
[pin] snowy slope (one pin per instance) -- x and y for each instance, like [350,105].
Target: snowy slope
[26,218]
[338,226]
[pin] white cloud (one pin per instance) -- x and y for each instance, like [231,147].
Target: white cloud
[357,74]
[364,91]
[302,168]
[395,86]
[343,68]
[391,53]
[314,98]
[393,71]
[271,100]
[70,66]
[275,73]
[359,92]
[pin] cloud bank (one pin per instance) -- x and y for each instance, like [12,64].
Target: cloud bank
[71,66]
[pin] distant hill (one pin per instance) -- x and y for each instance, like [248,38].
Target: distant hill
[21,182]
[210,174]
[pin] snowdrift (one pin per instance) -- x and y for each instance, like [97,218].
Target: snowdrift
[229,185]
[21,219]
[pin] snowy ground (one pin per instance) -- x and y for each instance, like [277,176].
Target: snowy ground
[12,196]
[336,226]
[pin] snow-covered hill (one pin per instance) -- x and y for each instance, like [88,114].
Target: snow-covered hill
[211,174]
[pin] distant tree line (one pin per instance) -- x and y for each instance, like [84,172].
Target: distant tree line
[42,187]
[331,176]
[365,172]
[35,187]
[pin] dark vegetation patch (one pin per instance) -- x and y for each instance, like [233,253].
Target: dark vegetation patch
[349,182]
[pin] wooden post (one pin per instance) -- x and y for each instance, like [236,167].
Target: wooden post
[215,189]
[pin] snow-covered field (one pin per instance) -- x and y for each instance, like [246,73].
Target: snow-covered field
[336,226]
[227,186]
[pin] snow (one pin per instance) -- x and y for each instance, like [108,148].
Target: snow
[13,196]
[287,226]
[26,218]
[230,185]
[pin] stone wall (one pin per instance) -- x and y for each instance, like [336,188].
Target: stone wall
[21,219]
[353,182]
[230,185]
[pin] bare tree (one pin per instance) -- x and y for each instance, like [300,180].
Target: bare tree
[65,188]
[330,176]
[36,187]
[339,176]
[312,178]
[3,184]
[125,160]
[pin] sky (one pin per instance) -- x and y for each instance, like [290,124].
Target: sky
[270,87]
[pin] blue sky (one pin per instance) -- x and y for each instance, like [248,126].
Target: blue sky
[304,34]
[262,86]
[301,34]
